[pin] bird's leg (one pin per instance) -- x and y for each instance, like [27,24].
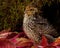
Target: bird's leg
[49,38]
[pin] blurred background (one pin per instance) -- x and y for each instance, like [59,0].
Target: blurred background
[11,14]
[12,11]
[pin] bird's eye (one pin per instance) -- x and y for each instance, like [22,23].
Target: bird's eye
[31,9]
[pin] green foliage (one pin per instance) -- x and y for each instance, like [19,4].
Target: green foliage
[11,13]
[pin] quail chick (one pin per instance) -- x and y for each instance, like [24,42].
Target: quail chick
[35,25]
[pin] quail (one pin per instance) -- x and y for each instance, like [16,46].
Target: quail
[35,25]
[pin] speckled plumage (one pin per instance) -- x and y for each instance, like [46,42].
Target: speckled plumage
[35,25]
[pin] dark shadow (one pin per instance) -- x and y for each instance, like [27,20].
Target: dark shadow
[52,14]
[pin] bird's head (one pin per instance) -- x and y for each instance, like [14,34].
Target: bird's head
[30,10]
